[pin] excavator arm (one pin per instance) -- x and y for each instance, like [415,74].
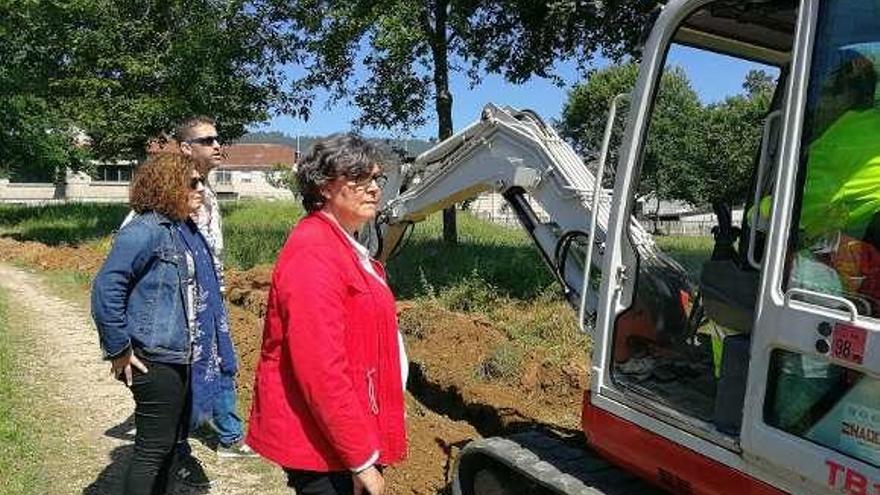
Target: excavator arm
[546,184]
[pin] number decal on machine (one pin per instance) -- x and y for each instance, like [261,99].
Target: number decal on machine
[848,343]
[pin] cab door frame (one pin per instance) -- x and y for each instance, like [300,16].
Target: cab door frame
[619,262]
[783,323]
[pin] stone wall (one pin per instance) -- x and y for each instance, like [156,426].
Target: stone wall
[28,192]
[80,187]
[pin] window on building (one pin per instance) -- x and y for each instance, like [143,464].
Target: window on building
[246,178]
[223,177]
[113,173]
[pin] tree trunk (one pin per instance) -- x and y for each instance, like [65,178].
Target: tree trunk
[443,100]
[657,217]
[725,234]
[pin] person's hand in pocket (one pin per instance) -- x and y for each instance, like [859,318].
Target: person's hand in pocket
[121,367]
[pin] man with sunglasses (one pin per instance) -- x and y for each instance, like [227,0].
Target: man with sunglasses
[198,139]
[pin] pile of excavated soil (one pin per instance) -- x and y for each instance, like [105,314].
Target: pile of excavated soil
[84,259]
[249,289]
[449,403]
[448,350]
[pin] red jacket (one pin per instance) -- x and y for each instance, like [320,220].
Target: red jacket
[328,392]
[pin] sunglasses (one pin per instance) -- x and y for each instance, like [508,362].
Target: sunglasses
[205,140]
[380,181]
[195,181]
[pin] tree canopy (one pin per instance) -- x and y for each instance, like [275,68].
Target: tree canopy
[393,57]
[122,73]
[673,123]
[408,48]
[730,136]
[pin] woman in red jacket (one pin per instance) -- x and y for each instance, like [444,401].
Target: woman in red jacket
[328,395]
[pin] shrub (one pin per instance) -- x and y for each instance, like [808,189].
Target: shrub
[503,363]
[470,295]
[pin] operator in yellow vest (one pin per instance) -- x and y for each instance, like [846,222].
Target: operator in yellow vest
[842,184]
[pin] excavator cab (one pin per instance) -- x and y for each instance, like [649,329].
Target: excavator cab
[771,384]
[748,362]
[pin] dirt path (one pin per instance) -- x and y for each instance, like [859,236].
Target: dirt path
[86,412]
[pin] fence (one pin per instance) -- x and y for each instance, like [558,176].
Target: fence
[680,227]
[493,207]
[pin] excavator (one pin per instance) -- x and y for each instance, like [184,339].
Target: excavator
[754,369]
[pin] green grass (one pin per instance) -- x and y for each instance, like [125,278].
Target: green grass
[690,251]
[57,224]
[69,284]
[489,261]
[20,458]
[487,256]
[255,231]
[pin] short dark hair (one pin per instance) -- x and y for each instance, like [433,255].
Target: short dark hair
[859,78]
[337,155]
[183,129]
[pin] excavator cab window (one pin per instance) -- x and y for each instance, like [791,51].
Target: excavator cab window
[834,244]
[682,346]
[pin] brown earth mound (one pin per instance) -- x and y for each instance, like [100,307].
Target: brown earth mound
[248,289]
[84,259]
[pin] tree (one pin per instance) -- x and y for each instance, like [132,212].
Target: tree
[123,72]
[36,137]
[702,155]
[731,134]
[283,177]
[673,126]
[408,48]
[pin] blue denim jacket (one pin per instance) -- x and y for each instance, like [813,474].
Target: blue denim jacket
[140,297]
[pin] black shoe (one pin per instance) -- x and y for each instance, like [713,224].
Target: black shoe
[189,471]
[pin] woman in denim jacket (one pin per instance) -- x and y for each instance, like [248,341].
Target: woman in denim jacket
[144,302]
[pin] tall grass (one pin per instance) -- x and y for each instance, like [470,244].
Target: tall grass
[255,231]
[500,257]
[61,224]
[20,455]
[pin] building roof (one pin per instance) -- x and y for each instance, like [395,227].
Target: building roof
[261,156]
[242,156]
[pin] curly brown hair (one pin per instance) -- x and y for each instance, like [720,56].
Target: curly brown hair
[161,184]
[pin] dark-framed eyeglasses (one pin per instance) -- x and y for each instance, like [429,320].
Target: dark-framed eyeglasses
[205,140]
[195,181]
[364,183]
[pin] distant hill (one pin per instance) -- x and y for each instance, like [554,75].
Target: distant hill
[408,147]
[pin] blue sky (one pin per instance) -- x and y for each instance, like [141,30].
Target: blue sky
[713,77]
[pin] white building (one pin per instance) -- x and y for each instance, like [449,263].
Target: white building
[245,168]
[242,174]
